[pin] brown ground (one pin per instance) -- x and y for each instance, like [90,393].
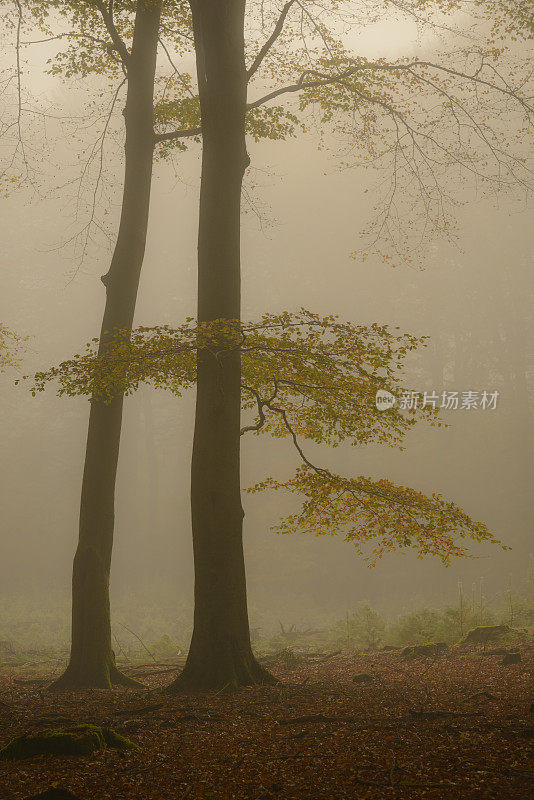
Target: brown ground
[362,741]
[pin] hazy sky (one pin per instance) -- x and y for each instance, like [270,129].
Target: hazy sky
[474,299]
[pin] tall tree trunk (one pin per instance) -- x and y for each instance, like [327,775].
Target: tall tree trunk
[220,654]
[152,505]
[92,662]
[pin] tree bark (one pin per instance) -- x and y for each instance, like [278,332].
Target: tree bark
[92,662]
[220,654]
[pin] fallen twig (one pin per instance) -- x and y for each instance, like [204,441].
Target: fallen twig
[152,656]
[38,663]
[140,667]
[317,718]
[478,695]
[211,716]
[404,784]
[320,658]
[121,649]
[137,712]
[144,674]
[138,770]
[221,691]
[440,714]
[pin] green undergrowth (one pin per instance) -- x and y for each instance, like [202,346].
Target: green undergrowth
[364,629]
[37,637]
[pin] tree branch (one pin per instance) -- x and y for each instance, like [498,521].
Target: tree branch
[271,40]
[326,80]
[326,472]
[181,134]
[260,403]
[300,85]
[118,43]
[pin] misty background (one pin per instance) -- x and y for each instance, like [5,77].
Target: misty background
[302,221]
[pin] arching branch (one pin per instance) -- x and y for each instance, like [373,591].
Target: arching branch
[260,403]
[325,473]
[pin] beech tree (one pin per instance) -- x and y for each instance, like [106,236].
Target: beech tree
[431,124]
[119,40]
[304,378]
[91,660]
[426,118]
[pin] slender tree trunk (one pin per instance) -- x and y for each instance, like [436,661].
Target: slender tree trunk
[92,662]
[220,654]
[152,506]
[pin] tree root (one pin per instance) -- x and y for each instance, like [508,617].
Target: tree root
[228,677]
[73,679]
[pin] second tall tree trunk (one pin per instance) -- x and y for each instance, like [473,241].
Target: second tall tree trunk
[220,654]
[91,659]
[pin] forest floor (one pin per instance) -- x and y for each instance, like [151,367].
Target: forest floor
[458,726]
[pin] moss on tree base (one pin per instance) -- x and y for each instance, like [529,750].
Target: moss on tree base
[81,740]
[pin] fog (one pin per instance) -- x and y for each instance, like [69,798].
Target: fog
[302,221]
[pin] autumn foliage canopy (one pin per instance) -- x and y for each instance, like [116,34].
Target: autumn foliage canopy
[304,378]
